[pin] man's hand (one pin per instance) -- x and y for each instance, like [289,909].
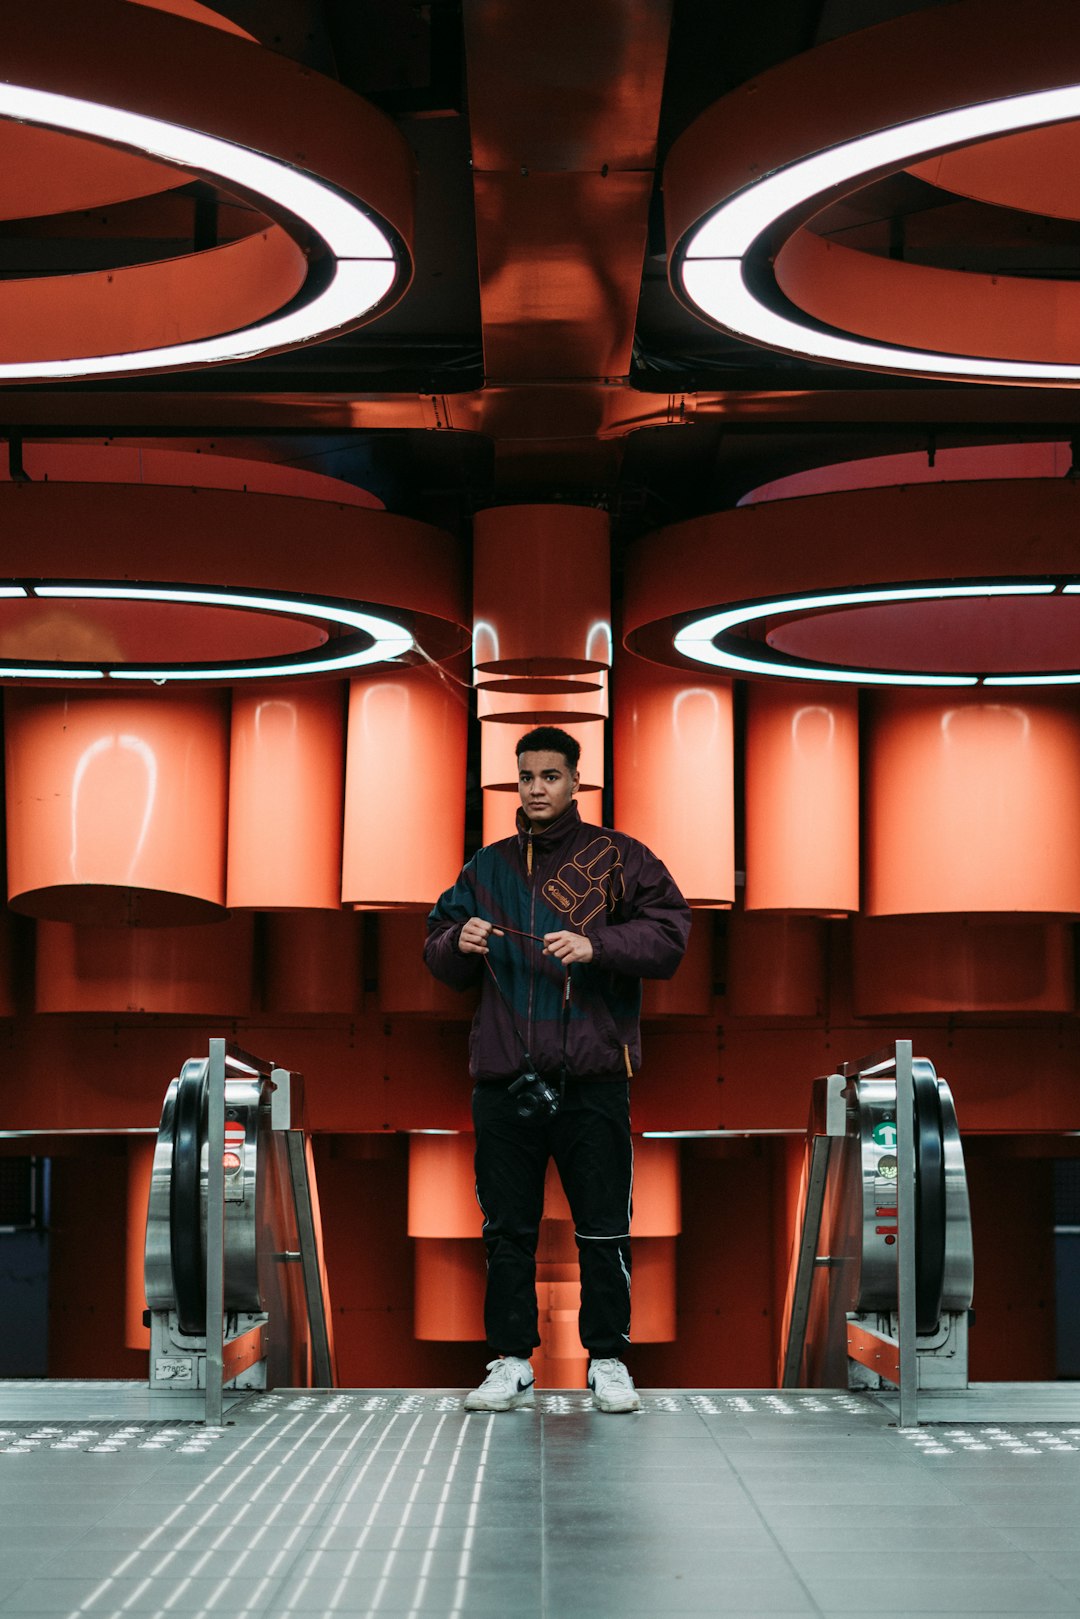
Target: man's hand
[473,938]
[568,947]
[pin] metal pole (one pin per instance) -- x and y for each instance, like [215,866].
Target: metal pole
[215,1234]
[905,1260]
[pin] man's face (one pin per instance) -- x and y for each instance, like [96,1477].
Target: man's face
[546,784]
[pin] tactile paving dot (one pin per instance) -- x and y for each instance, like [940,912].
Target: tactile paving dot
[108,1440]
[1029,1442]
[559,1405]
[779,1404]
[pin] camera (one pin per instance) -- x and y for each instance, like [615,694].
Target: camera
[535,1097]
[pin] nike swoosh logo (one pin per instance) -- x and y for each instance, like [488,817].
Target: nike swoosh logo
[523,1386]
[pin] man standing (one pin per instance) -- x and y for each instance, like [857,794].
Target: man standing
[559,924]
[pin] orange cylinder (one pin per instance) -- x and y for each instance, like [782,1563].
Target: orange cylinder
[116,806]
[448,1290]
[776,966]
[560,1362]
[500,812]
[405,985]
[802,798]
[560,623]
[932,964]
[204,970]
[690,992]
[523,702]
[442,1187]
[674,774]
[313,962]
[652,1295]
[286,797]
[973,804]
[404,790]
[498,761]
[140,1163]
[657,1195]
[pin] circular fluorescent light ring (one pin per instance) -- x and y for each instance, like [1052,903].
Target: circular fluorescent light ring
[715,638]
[331,172]
[362,265]
[825,124]
[365,636]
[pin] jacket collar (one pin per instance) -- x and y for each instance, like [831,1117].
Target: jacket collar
[553,836]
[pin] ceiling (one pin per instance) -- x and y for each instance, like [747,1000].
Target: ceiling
[539,352]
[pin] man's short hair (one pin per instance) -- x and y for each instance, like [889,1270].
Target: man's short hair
[550,739]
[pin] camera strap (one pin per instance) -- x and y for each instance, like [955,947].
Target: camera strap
[513,1019]
[514,1025]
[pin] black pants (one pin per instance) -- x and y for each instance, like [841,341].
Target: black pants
[589,1139]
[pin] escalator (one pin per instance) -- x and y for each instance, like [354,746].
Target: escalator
[235,1279]
[881,1279]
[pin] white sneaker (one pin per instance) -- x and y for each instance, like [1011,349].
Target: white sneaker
[508,1385]
[612,1386]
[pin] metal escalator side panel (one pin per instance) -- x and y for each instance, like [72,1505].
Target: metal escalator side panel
[959,1249]
[157,1262]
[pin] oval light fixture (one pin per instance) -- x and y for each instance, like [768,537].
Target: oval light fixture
[327,169]
[951,584]
[743,182]
[364,637]
[714,638]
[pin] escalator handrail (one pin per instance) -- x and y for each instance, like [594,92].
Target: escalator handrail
[930,1211]
[185,1196]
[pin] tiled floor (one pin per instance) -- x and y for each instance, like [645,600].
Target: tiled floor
[388,1502]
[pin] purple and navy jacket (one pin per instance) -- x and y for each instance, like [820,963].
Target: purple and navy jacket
[588,879]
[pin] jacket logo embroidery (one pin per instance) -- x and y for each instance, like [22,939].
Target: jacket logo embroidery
[587,884]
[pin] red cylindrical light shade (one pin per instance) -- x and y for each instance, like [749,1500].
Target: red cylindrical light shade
[448,1289]
[500,812]
[405,985]
[947,964]
[973,804]
[560,1362]
[442,1187]
[657,1189]
[314,962]
[116,806]
[690,992]
[674,774]
[776,966]
[286,797]
[498,761]
[204,970]
[802,798]
[652,1296]
[404,790]
[140,1163]
[522,701]
[541,590]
